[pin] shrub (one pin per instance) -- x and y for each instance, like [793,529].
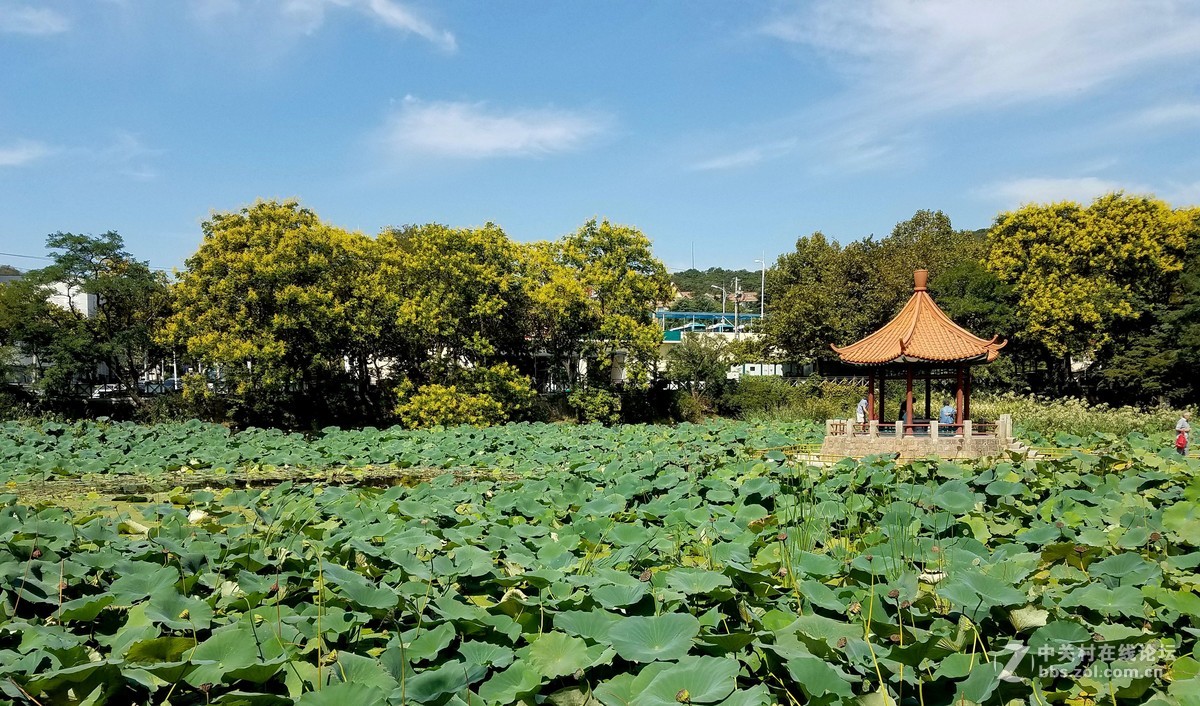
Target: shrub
[442,405]
[758,395]
[1044,417]
[692,408]
[483,396]
[777,399]
[593,404]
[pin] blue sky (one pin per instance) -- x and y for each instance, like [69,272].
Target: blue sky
[730,127]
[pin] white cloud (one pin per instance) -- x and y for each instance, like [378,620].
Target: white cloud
[24,19]
[928,55]
[747,157]
[128,156]
[22,152]
[1015,192]
[1168,115]
[308,16]
[1182,194]
[473,131]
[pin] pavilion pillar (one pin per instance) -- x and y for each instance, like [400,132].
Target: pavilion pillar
[928,391]
[908,400]
[882,399]
[871,397]
[958,398]
[967,394]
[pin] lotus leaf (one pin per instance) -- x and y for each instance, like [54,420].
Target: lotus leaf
[661,637]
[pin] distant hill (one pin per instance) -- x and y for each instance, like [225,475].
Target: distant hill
[8,270]
[699,282]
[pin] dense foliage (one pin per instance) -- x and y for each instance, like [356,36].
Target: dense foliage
[280,318]
[638,565]
[70,345]
[1096,301]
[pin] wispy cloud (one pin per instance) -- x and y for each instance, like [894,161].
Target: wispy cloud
[22,153]
[907,66]
[1015,192]
[936,54]
[128,156]
[123,155]
[1178,194]
[1181,114]
[476,131]
[308,16]
[747,157]
[26,19]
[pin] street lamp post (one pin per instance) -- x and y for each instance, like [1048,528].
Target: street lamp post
[762,289]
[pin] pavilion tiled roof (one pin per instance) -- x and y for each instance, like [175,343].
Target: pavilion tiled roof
[921,333]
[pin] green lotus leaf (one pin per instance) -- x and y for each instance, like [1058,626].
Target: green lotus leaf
[974,591]
[474,652]
[425,644]
[622,689]
[505,687]
[690,581]
[344,694]
[618,596]
[556,654]
[141,579]
[705,680]
[817,678]
[179,612]
[661,637]
[593,625]
[86,608]
[1123,600]
[434,683]
[954,496]
[159,649]
[1128,568]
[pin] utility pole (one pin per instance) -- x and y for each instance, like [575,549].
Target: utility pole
[762,289]
[737,294]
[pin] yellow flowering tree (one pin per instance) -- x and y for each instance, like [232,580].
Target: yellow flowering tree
[1077,271]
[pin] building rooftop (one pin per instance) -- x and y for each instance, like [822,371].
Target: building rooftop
[921,333]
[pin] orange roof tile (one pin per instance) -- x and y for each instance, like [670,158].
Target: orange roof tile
[921,333]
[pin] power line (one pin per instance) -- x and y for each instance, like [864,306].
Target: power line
[27,257]
[42,257]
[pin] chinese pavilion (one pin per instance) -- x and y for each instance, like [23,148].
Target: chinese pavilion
[920,345]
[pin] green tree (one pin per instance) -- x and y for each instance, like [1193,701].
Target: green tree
[826,293]
[700,281]
[624,283]
[75,344]
[698,365]
[275,299]
[1081,273]
[460,295]
[701,302]
[812,305]
[1152,358]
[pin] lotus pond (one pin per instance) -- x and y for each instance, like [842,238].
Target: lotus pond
[572,566]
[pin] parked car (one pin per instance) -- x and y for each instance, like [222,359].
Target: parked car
[721,328]
[108,391]
[690,328]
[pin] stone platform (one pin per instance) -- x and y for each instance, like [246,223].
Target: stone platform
[845,439]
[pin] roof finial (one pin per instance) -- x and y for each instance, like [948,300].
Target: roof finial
[920,278]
